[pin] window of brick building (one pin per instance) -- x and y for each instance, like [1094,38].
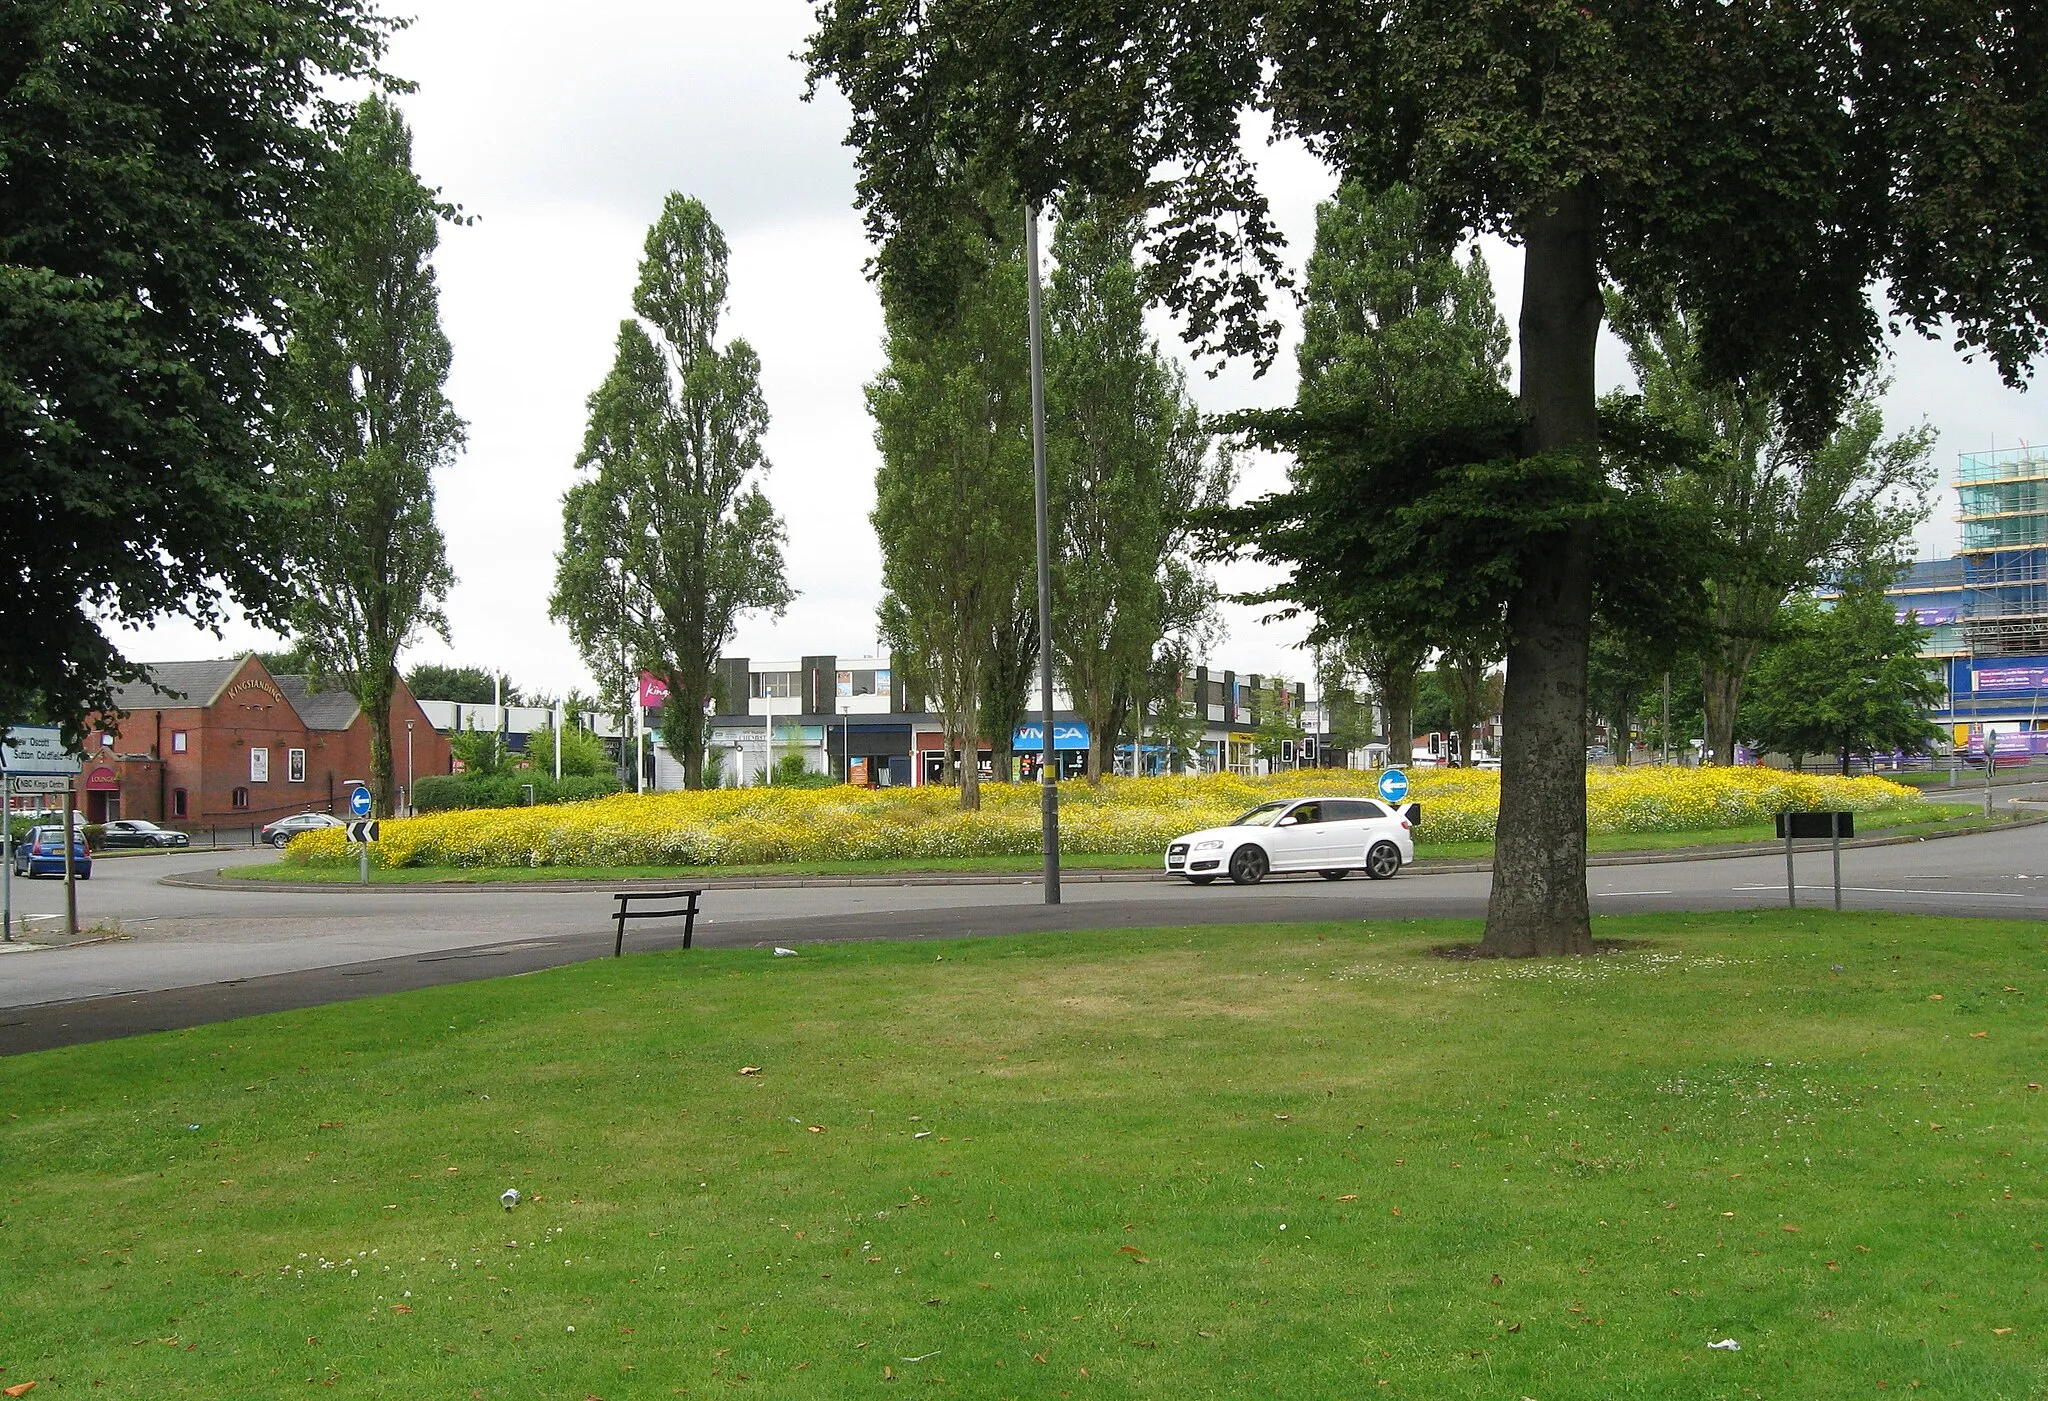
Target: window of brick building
[241,797]
[177,802]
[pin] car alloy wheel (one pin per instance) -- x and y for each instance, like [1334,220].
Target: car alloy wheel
[1248,865]
[280,840]
[1383,862]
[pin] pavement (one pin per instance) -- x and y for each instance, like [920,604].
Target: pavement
[166,955]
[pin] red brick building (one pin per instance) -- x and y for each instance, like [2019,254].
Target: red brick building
[226,744]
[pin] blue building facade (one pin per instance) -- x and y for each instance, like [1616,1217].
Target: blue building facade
[1986,609]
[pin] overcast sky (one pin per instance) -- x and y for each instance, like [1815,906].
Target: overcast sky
[562,131]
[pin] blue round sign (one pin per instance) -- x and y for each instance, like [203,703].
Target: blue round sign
[1393,785]
[359,800]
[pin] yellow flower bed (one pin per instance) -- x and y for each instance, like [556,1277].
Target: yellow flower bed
[732,827]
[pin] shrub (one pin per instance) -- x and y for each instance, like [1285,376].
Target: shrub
[459,791]
[744,826]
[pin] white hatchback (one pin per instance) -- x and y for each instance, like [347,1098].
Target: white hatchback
[1330,836]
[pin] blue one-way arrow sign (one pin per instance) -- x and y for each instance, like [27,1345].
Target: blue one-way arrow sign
[1393,785]
[359,802]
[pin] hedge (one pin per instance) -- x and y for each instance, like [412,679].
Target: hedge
[458,791]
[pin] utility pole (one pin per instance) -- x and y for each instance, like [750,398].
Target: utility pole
[1048,764]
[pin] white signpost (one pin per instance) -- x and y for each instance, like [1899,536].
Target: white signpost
[362,833]
[34,760]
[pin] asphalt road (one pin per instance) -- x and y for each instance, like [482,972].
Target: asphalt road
[188,956]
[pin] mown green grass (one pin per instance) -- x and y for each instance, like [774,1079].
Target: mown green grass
[1304,1161]
[1934,818]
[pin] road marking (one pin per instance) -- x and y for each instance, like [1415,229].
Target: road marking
[1891,890]
[1617,893]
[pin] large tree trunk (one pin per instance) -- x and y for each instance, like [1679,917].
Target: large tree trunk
[1721,679]
[377,710]
[1539,905]
[685,733]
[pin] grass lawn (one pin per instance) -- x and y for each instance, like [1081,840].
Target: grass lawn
[1304,1161]
[1934,818]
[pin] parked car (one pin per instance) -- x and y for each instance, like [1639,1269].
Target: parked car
[1330,836]
[41,853]
[135,832]
[280,832]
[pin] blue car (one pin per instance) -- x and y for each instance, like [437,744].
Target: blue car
[41,853]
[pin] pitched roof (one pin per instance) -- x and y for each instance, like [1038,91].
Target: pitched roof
[320,710]
[169,685]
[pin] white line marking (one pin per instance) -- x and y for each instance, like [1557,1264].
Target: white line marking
[1890,890]
[1614,893]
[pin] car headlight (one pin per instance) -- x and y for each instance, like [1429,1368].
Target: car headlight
[1213,844]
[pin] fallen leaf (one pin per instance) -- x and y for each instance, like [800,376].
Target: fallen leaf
[1788,1226]
[1348,1197]
[20,1389]
[1934,997]
[1979,1035]
[750,1070]
[1496,1281]
[1397,1211]
[1514,1327]
[2000,1332]
[1038,1357]
[2032,1085]
[1277,1116]
[815,1128]
[888,1374]
[401,1308]
[1135,1254]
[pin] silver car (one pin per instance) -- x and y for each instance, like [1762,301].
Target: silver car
[280,832]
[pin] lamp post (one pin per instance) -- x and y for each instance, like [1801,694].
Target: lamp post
[408,768]
[846,741]
[1048,764]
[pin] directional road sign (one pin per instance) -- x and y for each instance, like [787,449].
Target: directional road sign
[39,783]
[37,749]
[1393,785]
[362,831]
[359,803]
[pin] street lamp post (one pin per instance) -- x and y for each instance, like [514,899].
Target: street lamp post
[1048,763]
[408,768]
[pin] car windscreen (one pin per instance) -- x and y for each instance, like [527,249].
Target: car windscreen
[1264,815]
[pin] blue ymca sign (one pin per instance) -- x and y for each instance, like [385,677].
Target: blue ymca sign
[1066,734]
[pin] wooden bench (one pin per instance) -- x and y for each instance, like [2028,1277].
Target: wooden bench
[688,911]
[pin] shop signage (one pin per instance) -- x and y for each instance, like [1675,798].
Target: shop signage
[653,691]
[1066,734]
[1927,617]
[102,779]
[38,749]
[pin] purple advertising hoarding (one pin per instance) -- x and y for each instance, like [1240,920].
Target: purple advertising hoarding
[1927,617]
[2006,680]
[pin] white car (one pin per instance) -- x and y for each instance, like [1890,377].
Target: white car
[1330,836]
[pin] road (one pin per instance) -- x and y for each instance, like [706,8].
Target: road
[188,956]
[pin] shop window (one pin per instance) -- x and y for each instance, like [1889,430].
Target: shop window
[177,741]
[241,798]
[861,683]
[295,765]
[178,800]
[774,685]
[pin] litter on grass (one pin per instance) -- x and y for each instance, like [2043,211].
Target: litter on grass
[785,953]
[510,1197]
[1727,1345]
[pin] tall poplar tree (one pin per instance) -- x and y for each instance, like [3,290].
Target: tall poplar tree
[953,496]
[366,424]
[669,538]
[1127,465]
[1762,164]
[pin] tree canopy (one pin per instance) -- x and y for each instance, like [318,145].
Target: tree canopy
[1760,165]
[365,424]
[158,173]
[668,538]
